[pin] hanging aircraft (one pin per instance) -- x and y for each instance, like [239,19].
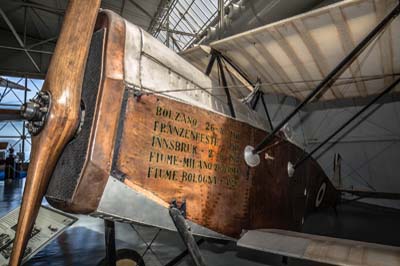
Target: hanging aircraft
[7,114]
[126,130]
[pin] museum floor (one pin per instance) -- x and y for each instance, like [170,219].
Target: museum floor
[83,243]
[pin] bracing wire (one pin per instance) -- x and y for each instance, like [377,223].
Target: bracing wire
[355,171]
[366,54]
[345,81]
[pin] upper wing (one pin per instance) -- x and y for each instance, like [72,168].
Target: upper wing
[323,249]
[292,56]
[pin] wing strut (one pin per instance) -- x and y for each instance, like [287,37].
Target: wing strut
[266,111]
[217,56]
[225,85]
[177,215]
[332,76]
[210,64]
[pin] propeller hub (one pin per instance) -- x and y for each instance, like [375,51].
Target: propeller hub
[35,112]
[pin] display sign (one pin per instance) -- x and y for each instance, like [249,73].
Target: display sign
[49,224]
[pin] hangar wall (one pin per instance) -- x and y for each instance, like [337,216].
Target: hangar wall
[369,147]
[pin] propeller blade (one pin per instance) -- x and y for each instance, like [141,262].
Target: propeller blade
[63,86]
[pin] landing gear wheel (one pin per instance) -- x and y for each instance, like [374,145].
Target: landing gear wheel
[125,257]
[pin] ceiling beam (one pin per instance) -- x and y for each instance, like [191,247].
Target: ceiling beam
[159,13]
[28,50]
[20,42]
[42,42]
[52,10]
[178,32]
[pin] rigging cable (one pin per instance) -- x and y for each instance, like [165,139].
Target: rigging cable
[379,96]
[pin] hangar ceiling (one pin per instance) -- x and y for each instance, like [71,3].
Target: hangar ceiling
[29,28]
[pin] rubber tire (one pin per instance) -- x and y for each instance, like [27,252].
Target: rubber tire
[125,254]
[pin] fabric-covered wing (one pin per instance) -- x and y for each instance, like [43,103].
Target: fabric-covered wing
[333,251]
[292,55]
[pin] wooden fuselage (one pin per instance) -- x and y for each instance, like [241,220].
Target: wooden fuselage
[166,147]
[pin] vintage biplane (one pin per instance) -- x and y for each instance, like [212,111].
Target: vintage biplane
[126,130]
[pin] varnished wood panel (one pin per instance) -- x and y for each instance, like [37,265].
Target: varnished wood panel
[180,152]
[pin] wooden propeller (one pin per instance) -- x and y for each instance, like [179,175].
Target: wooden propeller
[64,85]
